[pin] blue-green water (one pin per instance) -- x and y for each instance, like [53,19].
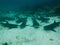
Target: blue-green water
[19,5]
[29,22]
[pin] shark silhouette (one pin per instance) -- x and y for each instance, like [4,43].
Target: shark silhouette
[35,23]
[8,25]
[20,20]
[23,25]
[4,19]
[51,26]
[43,19]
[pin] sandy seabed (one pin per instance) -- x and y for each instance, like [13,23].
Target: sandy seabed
[30,35]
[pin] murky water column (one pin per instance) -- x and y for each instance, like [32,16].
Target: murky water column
[29,22]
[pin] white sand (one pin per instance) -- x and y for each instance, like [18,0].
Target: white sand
[30,36]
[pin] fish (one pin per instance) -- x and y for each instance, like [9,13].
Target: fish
[23,25]
[43,19]
[8,25]
[52,26]
[35,23]
[4,19]
[20,20]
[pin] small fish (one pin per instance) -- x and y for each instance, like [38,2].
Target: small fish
[51,26]
[8,25]
[35,23]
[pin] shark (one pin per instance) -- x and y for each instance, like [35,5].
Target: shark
[43,19]
[35,23]
[52,26]
[20,20]
[4,19]
[8,25]
[23,25]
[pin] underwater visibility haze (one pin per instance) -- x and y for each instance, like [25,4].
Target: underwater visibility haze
[29,22]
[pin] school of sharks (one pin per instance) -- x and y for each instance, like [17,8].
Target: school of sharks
[4,21]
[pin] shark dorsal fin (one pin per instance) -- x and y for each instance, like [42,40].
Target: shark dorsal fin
[54,22]
[7,22]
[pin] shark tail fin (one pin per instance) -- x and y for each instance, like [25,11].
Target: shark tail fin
[54,30]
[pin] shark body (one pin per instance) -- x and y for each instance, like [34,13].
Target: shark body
[51,26]
[8,25]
